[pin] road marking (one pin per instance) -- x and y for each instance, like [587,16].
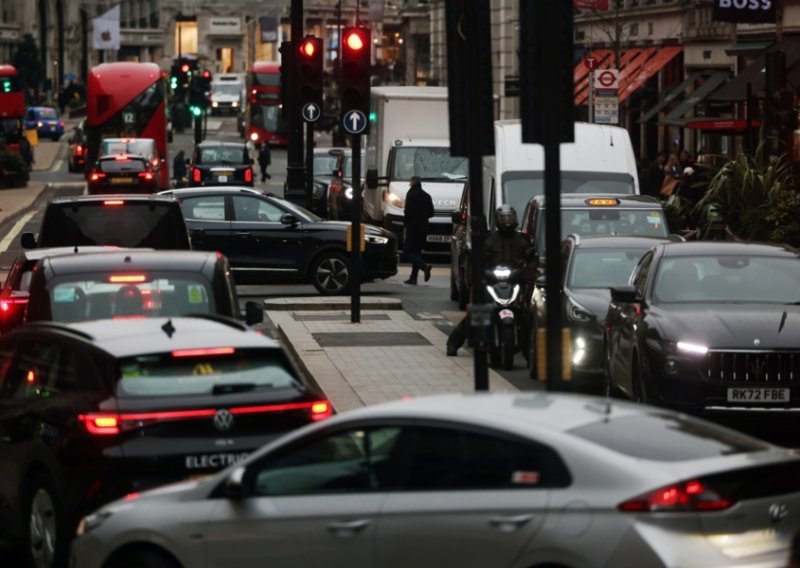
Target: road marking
[12,234]
[57,166]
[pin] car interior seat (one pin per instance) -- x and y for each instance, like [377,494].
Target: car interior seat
[128,302]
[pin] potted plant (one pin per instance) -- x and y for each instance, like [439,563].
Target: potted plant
[13,169]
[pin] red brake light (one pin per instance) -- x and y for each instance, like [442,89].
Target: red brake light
[113,202]
[321,410]
[31,377]
[196,175]
[96,176]
[122,158]
[131,496]
[689,496]
[248,175]
[204,352]
[127,278]
[78,149]
[147,176]
[155,162]
[4,306]
[100,424]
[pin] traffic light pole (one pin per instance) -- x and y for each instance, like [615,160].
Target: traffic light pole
[295,178]
[309,164]
[355,234]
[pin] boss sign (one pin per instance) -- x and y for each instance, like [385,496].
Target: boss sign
[745,11]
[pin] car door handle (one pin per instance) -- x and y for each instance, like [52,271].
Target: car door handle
[244,234]
[509,523]
[347,528]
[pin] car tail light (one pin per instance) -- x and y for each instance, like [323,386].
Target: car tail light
[197,175]
[100,424]
[96,176]
[122,158]
[155,162]
[248,175]
[685,496]
[204,352]
[127,278]
[6,305]
[321,410]
[78,150]
[147,176]
[113,202]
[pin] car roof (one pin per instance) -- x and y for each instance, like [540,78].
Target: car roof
[614,242]
[132,259]
[137,336]
[214,143]
[39,253]
[229,189]
[65,200]
[691,248]
[625,200]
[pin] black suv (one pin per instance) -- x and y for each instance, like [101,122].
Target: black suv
[134,283]
[111,220]
[93,411]
[221,163]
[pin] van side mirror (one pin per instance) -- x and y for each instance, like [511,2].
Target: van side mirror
[624,294]
[28,241]
[254,313]
[372,178]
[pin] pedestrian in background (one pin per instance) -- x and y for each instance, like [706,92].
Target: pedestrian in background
[179,168]
[264,160]
[418,209]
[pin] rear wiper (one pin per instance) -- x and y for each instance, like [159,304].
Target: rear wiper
[232,388]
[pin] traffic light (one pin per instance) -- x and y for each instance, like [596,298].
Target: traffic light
[197,94]
[310,70]
[356,44]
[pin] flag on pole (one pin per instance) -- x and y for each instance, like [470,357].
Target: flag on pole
[105,32]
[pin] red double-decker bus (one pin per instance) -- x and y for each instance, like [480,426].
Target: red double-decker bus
[127,100]
[12,107]
[264,112]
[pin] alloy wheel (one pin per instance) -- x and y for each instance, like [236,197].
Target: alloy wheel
[332,275]
[43,532]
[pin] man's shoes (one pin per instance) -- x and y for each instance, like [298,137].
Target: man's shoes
[427,271]
[410,281]
[452,351]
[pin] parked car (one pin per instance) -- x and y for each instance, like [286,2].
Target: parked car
[517,480]
[268,239]
[134,283]
[94,411]
[45,121]
[76,152]
[121,173]
[149,221]
[221,163]
[591,266]
[708,327]
[15,291]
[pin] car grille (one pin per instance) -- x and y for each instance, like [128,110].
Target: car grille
[753,366]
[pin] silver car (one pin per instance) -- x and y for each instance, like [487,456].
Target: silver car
[482,480]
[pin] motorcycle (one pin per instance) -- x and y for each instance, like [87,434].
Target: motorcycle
[504,288]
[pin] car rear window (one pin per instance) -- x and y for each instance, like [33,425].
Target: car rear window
[84,297]
[603,268]
[324,165]
[221,155]
[48,113]
[121,166]
[115,222]
[666,437]
[214,370]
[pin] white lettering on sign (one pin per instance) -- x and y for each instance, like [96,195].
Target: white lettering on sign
[749,4]
[215,461]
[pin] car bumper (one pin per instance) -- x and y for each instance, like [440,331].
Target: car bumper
[379,262]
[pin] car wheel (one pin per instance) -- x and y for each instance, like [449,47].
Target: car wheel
[330,274]
[46,535]
[507,347]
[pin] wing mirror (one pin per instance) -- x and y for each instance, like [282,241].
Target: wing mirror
[624,294]
[253,313]
[289,219]
[372,178]
[233,486]
[28,241]
[457,218]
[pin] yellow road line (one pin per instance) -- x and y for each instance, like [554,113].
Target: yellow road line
[12,234]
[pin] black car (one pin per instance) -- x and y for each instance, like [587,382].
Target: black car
[708,327]
[134,283]
[121,173]
[340,189]
[221,163]
[591,266]
[128,220]
[93,411]
[328,163]
[76,151]
[15,293]
[268,239]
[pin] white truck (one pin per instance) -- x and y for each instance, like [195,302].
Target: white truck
[409,136]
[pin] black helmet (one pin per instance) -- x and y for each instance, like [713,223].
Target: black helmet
[505,218]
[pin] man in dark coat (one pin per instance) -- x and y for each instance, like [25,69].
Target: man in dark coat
[179,169]
[418,209]
[264,160]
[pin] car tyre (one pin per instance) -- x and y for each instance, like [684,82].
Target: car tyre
[331,274]
[46,543]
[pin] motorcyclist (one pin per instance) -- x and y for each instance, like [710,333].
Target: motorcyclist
[503,246]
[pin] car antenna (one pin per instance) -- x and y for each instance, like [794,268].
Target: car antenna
[168,328]
[611,139]
[76,249]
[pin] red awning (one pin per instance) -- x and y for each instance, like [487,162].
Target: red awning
[722,124]
[652,66]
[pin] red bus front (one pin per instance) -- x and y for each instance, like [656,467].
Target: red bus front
[265,121]
[12,107]
[127,100]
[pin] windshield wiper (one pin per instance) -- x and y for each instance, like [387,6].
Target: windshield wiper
[232,388]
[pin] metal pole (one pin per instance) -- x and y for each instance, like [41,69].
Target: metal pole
[591,96]
[309,164]
[180,38]
[355,234]
[552,243]
[295,178]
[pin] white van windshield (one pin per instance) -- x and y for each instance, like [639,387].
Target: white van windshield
[519,187]
[430,164]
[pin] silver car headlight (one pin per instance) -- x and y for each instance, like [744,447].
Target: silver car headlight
[577,312]
[579,351]
[91,522]
[348,193]
[235,104]
[214,104]
[376,240]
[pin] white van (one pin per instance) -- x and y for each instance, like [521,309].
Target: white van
[600,161]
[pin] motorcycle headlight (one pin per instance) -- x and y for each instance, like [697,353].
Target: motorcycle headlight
[376,240]
[348,193]
[91,522]
[504,301]
[501,273]
[394,199]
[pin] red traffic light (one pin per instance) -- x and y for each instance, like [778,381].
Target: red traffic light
[206,74]
[185,67]
[354,41]
[308,48]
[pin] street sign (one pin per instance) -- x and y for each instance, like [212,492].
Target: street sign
[311,112]
[606,108]
[606,79]
[590,62]
[355,122]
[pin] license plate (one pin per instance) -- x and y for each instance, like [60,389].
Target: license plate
[222,178]
[121,180]
[759,395]
[438,238]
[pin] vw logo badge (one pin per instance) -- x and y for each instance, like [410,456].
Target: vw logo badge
[223,420]
[778,512]
[756,342]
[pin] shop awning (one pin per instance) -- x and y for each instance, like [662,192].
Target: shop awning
[637,65]
[676,116]
[736,89]
[678,91]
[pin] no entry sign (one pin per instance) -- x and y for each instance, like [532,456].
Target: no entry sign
[606,79]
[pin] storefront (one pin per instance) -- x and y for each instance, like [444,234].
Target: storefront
[224,36]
